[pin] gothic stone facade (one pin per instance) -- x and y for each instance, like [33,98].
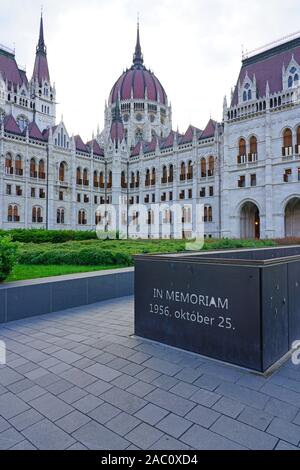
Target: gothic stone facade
[244,170]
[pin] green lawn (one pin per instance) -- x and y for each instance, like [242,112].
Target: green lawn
[22,272]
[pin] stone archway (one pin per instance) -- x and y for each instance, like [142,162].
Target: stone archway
[292,218]
[250,221]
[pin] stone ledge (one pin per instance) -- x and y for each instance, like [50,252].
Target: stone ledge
[26,299]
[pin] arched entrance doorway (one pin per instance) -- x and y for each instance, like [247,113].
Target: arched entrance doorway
[250,221]
[292,218]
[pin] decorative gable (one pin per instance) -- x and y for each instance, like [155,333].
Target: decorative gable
[247,90]
[290,75]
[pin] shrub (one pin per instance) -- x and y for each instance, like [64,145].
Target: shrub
[8,256]
[48,236]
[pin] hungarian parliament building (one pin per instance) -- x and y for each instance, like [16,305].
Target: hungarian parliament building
[244,171]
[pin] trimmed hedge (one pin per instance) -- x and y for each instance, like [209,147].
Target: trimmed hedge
[8,257]
[48,236]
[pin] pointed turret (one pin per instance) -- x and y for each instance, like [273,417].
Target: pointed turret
[138,59]
[41,70]
[117,132]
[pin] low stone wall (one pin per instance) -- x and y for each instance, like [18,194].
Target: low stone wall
[26,299]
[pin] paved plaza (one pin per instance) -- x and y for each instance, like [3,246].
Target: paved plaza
[78,380]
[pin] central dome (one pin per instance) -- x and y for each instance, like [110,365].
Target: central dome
[138,83]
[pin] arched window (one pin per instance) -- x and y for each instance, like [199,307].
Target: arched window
[22,122]
[298,141]
[98,218]
[85,177]
[296,80]
[203,168]
[164,175]
[16,217]
[82,218]
[34,216]
[190,171]
[110,180]
[242,151]
[245,96]
[37,215]
[138,135]
[253,149]
[62,171]
[287,149]
[290,81]
[9,170]
[153,178]
[137,179]
[210,214]
[10,214]
[171,174]
[182,172]
[249,95]
[123,180]
[101,179]
[78,176]
[147,180]
[18,166]
[211,166]
[60,216]
[33,171]
[96,182]
[42,174]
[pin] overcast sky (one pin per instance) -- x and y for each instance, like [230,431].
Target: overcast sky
[193,46]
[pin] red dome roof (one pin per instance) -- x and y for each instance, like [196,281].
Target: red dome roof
[137,80]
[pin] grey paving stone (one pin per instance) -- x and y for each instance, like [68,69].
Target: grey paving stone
[243,395]
[51,407]
[141,389]
[123,423]
[184,390]
[78,377]
[124,381]
[202,439]
[151,414]
[189,375]
[10,438]
[32,393]
[26,419]
[139,357]
[282,393]
[225,373]
[118,364]
[72,395]
[23,445]
[47,380]
[20,386]
[47,436]
[98,387]
[169,443]
[11,406]
[73,421]
[104,413]
[281,409]
[205,398]
[164,367]
[9,376]
[68,357]
[174,425]
[165,382]
[96,437]
[284,446]
[133,369]
[229,407]
[252,381]
[243,434]
[36,373]
[103,372]
[144,436]
[203,416]
[3,424]
[59,387]
[170,402]
[87,403]
[148,375]
[256,418]
[123,400]
[208,382]
[284,430]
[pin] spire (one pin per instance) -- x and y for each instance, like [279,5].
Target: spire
[41,70]
[41,48]
[117,131]
[138,59]
[117,117]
